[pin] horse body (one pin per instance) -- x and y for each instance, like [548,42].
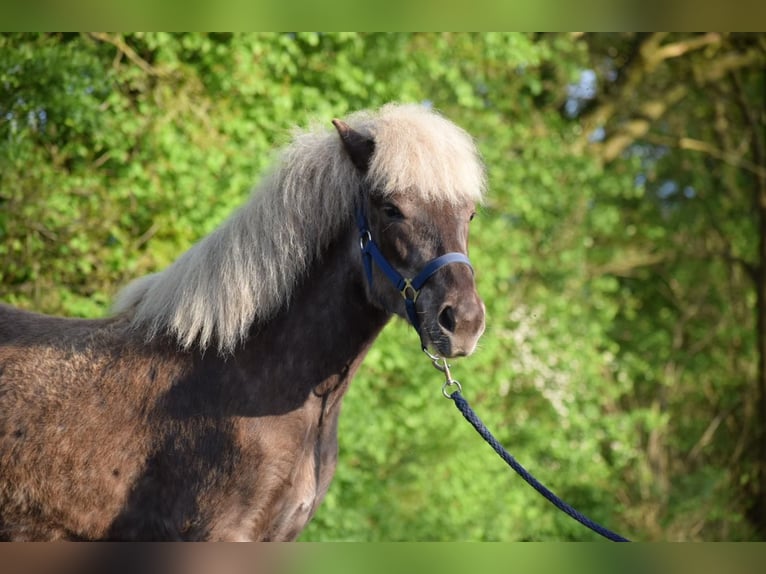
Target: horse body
[214,448]
[109,433]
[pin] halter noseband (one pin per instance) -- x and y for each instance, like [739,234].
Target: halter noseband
[408,288]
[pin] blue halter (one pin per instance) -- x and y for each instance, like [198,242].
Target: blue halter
[408,288]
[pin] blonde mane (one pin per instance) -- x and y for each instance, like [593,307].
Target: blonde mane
[246,270]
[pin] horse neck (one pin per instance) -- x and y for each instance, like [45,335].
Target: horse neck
[320,337]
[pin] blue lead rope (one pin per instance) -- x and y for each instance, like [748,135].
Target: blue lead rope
[410,290]
[471,417]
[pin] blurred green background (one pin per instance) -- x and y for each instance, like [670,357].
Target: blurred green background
[621,253]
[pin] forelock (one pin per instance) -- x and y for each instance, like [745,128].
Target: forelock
[419,151]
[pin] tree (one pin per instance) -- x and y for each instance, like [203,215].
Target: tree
[690,109]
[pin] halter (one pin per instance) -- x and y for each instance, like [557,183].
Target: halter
[408,288]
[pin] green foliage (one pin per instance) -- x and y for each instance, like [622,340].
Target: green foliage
[618,362]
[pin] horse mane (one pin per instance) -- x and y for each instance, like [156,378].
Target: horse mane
[247,269]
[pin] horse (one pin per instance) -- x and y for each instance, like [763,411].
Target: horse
[205,405]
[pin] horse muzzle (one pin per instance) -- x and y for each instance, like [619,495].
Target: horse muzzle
[460,324]
[453,314]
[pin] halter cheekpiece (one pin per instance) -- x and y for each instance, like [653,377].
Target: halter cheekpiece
[408,288]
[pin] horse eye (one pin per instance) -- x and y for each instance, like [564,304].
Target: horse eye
[392,212]
[472,216]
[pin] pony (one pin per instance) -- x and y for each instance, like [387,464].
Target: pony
[205,407]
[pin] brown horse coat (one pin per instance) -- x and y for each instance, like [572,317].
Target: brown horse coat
[132,428]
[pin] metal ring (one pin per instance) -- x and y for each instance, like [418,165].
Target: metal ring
[449,384]
[431,355]
[364,239]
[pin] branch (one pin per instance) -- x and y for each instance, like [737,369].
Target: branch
[629,77]
[146,236]
[125,49]
[691,144]
[710,431]
[652,53]
[639,126]
[712,71]
[676,49]
[627,263]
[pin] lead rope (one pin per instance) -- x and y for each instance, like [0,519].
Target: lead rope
[462,405]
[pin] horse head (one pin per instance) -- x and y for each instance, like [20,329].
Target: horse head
[416,249]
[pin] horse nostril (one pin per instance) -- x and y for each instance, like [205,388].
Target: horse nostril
[447,319]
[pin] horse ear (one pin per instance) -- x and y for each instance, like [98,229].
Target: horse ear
[358,146]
